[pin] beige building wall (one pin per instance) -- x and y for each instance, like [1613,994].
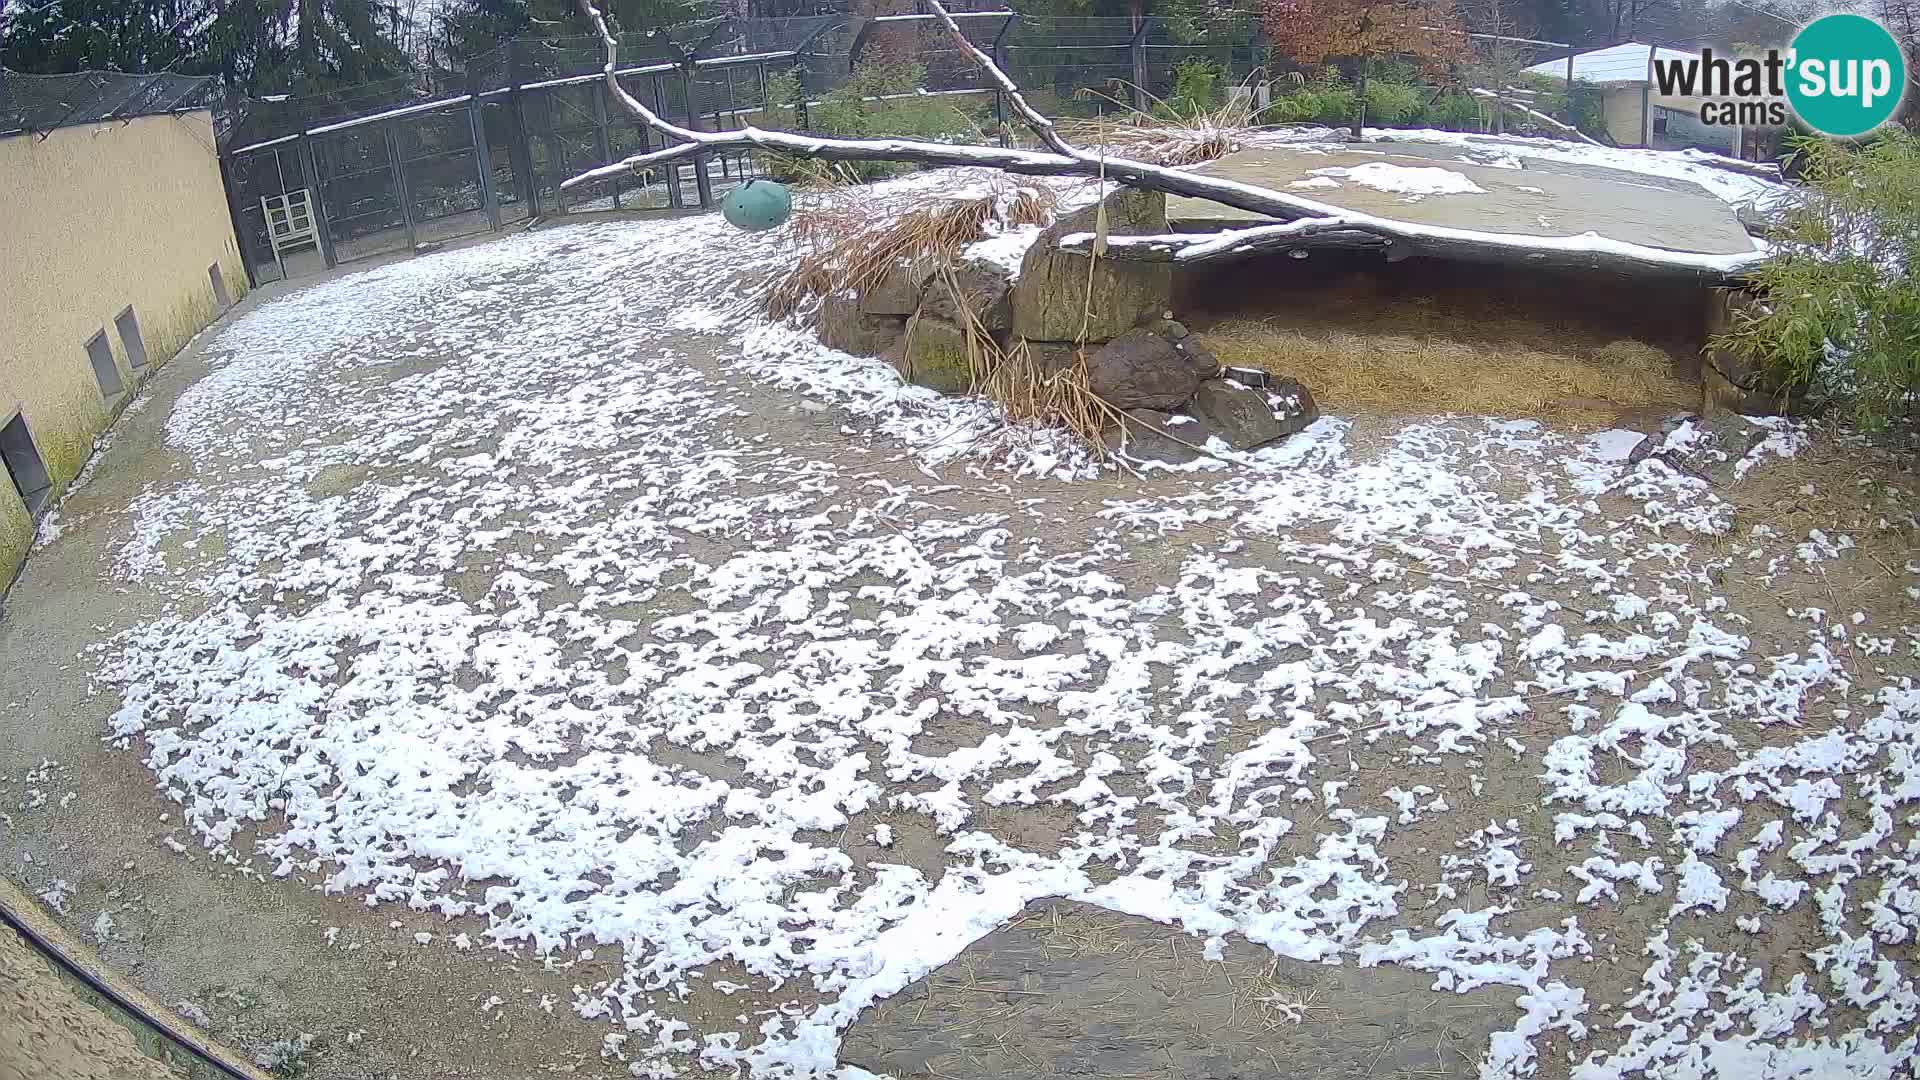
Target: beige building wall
[94,218]
[1622,108]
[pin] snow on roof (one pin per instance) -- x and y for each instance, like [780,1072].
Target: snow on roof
[1617,64]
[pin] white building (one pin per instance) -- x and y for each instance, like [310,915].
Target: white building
[1634,110]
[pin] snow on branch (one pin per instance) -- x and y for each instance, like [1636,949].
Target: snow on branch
[1300,222]
[1403,239]
[1538,117]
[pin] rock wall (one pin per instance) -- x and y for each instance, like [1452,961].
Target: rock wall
[1069,309]
[1731,382]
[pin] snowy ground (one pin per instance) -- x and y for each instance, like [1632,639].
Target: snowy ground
[599,615]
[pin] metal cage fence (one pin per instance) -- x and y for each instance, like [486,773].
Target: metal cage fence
[42,103]
[413,160]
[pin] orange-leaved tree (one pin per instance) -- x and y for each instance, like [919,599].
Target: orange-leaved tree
[1313,33]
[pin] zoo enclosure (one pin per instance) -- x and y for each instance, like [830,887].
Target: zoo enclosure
[394,165]
[39,104]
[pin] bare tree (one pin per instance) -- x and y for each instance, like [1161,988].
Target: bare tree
[1304,223]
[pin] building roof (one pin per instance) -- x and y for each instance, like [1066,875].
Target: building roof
[44,102]
[1616,64]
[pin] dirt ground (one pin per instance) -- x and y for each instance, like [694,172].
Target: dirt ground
[270,959]
[47,1031]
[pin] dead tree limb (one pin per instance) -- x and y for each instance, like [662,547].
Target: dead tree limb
[1063,159]
[1039,123]
[1401,240]
[1318,224]
[1538,117]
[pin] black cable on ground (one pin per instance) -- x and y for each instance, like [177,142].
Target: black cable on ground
[194,1047]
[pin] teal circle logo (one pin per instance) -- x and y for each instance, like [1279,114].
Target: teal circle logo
[1847,75]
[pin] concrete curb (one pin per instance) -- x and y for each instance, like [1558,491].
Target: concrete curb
[158,1031]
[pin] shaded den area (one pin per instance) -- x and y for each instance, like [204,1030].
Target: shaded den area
[1431,335]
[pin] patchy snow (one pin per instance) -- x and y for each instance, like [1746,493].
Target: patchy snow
[1515,151]
[561,597]
[1004,250]
[1614,444]
[1414,181]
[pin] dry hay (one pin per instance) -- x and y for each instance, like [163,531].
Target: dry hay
[1171,133]
[1152,140]
[852,239]
[1009,376]
[1403,373]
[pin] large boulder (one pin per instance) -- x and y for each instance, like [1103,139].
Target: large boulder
[1732,382]
[936,355]
[979,289]
[1052,357]
[1152,435]
[1051,297]
[1142,370]
[845,327]
[1246,417]
[898,290]
[1292,404]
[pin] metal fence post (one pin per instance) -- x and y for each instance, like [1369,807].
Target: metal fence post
[520,147]
[400,182]
[1137,49]
[733,108]
[601,142]
[323,228]
[520,150]
[999,95]
[483,161]
[671,170]
[1570,55]
[702,183]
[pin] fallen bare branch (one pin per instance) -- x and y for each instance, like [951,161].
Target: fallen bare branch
[1041,126]
[1405,239]
[1538,117]
[1300,223]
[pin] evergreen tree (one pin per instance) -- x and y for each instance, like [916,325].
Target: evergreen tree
[54,36]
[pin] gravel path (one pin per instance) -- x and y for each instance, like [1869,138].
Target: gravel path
[516,659]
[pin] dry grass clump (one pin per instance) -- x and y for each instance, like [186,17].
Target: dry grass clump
[1151,139]
[1404,373]
[1176,132]
[853,239]
[1057,397]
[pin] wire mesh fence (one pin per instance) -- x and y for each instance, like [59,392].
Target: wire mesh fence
[44,103]
[407,162]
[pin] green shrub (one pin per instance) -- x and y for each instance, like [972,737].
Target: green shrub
[1454,112]
[1550,97]
[783,92]
[1393,103]
[1841,320]
[1196,88]
[1325,100]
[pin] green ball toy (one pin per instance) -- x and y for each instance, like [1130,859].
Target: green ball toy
[757,205]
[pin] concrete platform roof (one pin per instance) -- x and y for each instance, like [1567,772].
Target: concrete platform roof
[1624,64]
[1439,184]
